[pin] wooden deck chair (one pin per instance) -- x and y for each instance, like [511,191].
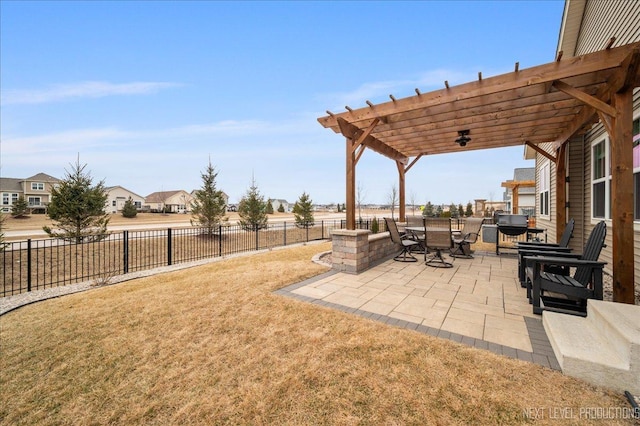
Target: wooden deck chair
[567,234]
[437,237]
[468,235]
[534,248]
[568,294]
[407,244]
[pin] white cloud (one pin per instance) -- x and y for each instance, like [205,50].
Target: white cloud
[85,89]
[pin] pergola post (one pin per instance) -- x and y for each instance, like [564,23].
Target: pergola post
[561,191]
[401,190]
[622,197]
[351,185]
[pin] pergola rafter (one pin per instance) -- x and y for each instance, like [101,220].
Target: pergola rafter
[548,103]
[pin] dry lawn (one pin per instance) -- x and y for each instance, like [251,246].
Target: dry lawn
[213,345]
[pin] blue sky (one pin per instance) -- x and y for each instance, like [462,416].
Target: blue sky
[146,92]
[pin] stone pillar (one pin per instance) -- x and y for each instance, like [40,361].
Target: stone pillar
[350,250]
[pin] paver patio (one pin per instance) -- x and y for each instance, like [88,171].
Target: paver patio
[478,302]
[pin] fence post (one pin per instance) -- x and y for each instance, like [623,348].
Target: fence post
[29,264]
[169,246]
[220,241]
[257,229]
[307,228]
[322,229]
[125,251]
[285,233]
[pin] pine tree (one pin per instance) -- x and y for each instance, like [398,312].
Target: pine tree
[460,210]
[453,210]
[281,208]
[269,207]
[208,207]
[252,209]
[129,209]
[303,211]
[469,211]
[428,210]
[77,208]
[20,208]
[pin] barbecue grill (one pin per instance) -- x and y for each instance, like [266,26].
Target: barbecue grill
[512,225]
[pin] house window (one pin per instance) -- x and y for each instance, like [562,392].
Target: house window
[34,201]
[37,186]
[14,198]
[113,203]
[5,199]
[543,193]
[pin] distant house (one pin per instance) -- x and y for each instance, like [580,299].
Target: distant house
[36,190]
[117,196]
[285,205]
[520,193]
[169,201]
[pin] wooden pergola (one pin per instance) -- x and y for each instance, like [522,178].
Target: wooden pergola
[514,186]
[550,103]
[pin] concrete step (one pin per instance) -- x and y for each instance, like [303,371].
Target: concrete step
[603,348]
[620,323]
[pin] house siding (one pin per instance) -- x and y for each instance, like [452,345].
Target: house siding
[605,19]
[600,21]
[542,222]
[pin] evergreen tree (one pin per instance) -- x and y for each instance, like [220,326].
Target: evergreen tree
[453,210]
[269,206]
[460,210]
[439,211]
[252,209]
[77,208]
[303,211]
[20,208]
[129,209]
[469,211]
[428,210]
[208,207]
[281,208]
[375,226]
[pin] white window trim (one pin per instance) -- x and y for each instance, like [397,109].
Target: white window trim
[545,168]
[606,179]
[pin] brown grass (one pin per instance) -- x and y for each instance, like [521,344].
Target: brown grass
[213,345]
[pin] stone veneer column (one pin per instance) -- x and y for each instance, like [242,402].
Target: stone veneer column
[350,250]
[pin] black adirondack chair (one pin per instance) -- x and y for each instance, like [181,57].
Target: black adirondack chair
[408,244]
[537,248]
[568,294]
[564,239]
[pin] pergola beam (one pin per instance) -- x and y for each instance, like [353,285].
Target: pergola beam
[590,63]
[540,151]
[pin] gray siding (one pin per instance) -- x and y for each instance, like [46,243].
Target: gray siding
[604,19]
[601,20]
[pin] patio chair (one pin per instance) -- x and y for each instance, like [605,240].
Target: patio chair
[437,237]
[564,239]
[569,294]
[531,248]
[416,222]
[407,243]
[468,235]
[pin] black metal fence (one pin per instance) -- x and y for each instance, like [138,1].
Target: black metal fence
[44,263]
